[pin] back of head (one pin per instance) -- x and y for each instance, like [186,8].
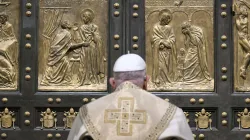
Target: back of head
[130,67]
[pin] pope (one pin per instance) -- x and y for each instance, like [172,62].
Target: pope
[130,112]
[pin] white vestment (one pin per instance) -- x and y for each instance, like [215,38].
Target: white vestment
[130,113]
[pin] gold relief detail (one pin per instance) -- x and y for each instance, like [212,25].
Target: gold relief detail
[85,100]
[28,45]
[223,45]
[3,135]
[5,100]
[187,115]
[224,122]
[28,13]
[192,100]
[201,137]
[7,119]
[224,114]
[58,135]
[223,14]
[28,36]
[50,100]
[116,13]
[223,37]
[58,100]
[9,34]
[135,7]
[135,46]
[135,15]
[247,100]
[116,37]
[223,6]
[69,118]
[28,69]
[194,136]
[48,119]
[27,77]
[125,116]
[135,38]
[224,78]
[201,100]
[49,136]
[27,122]
[116,46]
[178,37]
[28,5]
[247,136]
[241,19]
[203,120]
[72,45]
[244,119]
[116,5]
[167,100]
[224,69]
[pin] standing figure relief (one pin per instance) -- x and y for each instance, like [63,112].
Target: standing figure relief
[58,71]
[195,63]
[8,43]
[163,48]
[241,12]
[76,58]
[91,57]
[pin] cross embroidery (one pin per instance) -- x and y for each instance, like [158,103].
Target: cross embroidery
[125,116]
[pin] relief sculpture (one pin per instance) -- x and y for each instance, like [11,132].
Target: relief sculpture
[72,48]
[182,45]
[242,44]
[69,118]
[7,119]
[163,48]
[48,119]
[203,120]
[8,45]
[244,119]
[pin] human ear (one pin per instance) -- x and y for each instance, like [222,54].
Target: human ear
[145,87]
[112,82]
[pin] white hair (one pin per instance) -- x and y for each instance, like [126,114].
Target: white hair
[136,77]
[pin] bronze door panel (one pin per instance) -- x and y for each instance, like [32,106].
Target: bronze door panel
[57,55]
[180,37]
[9,42]
[73,45]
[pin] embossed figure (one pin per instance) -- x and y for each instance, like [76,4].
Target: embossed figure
[164,52]
[8,42]
[6,119]
[195,63]
[203,120]
[48,119]
[58,70]
[244,119]
[187,115]
[70,117]
[241,12]
[92,57]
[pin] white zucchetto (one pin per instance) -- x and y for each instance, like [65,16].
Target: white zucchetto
[129,62]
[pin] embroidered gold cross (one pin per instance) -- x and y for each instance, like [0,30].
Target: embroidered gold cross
[125,116]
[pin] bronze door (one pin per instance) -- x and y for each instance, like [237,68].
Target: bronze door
[57,55]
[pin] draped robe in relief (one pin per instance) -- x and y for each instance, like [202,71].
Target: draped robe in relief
[92,56]
[8,52]
[130,113]
[195,63]
[164,63]
[57,72]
